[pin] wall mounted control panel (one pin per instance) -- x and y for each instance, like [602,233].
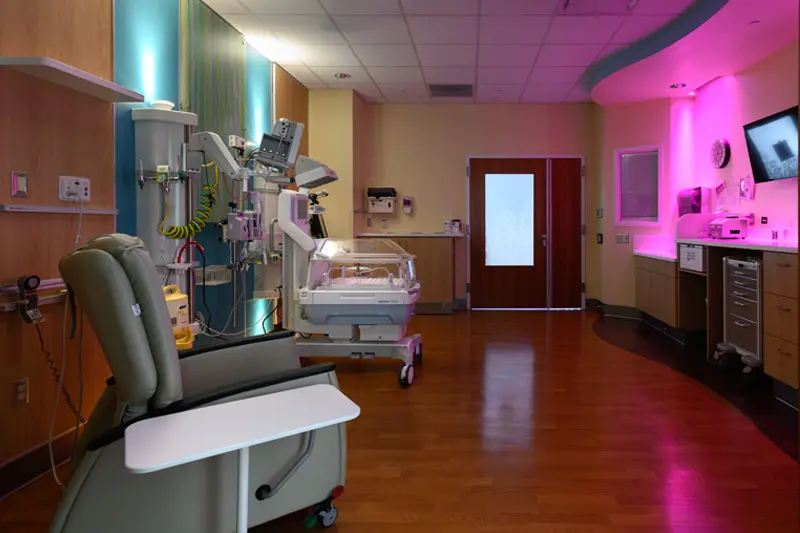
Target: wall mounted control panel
[73,189]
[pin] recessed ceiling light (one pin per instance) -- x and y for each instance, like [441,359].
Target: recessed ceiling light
[632,4]
[342,76]
[692,93]
[677,86]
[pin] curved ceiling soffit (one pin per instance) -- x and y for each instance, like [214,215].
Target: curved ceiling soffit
[675,30]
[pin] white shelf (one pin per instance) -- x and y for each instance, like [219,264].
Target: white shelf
[48,69]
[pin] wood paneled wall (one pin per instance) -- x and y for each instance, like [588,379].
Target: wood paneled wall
[76,32]
[47,130]
[291,101]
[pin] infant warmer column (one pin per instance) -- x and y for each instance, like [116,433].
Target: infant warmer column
[160,159]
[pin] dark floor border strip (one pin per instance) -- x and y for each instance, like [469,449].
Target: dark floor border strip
[20,471]
[753,395]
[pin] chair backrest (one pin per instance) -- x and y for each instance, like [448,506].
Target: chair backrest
[116,284]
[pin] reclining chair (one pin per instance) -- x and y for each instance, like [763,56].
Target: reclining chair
[117,286]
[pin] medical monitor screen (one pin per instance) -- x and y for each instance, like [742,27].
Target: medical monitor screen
[772,143]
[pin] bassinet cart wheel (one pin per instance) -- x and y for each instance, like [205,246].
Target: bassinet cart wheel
[406,375]
[328,518]
[418,353]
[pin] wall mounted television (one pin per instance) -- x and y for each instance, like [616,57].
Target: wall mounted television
[772,143]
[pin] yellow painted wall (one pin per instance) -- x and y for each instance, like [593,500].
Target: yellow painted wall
[331,142]
[422,150]
[362,159]
[628,126]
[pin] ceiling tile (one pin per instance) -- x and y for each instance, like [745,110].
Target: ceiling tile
[303,29]
[578,94]
[556,74]
[315,86]
[518,7]
[513,29]
[503,76]
[358,76]
[661,7]
[374,29]
[227,7]
[635,28]
[302,74]
[283,7]
[387,56]
[249,25]
[507,56]
[390,75]
[598,7]
[443,30]
[610,49]
[552,92]
[583,30]
[440,7]
[405,92]
[447,55]
[329,56]
[369,91]
[499,93]
[453,100]
[362,7]
[449,75]
[566,55]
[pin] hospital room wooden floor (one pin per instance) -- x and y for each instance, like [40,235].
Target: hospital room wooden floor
[529,422]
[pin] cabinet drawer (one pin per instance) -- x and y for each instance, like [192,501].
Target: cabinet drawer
[665,268]
[780,274]
[780,360]
[780,317]
[742,333]
[736,282]
[742,307]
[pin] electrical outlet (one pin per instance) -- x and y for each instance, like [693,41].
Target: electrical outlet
[20,391]
[234,141]
[369,222]
[599,212]
[764,220]
[622,238]
[73,189]
[599,238]
[384,223]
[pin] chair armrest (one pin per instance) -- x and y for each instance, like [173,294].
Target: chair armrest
[219,366]
[301,374]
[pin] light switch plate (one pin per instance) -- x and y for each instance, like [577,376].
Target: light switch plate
[599,212]
[622,238]
[74,189]
[19,184]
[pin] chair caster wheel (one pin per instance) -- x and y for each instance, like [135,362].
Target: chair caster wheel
[418,354]
[406,375]
[328,518]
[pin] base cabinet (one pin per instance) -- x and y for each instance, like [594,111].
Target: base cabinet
[656,289]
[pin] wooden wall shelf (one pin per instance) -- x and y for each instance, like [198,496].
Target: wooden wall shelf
[49,69]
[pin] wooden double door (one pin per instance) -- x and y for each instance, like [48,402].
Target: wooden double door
[526,237]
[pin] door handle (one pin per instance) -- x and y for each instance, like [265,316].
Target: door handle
[742,324]
[740,283]
[783,265]
[544,240]
[740,304]
[782,308]
[735,293]
[783,352]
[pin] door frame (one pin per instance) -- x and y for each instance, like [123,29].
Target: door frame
[468,228]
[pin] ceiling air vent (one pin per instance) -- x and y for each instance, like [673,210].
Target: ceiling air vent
[450,91]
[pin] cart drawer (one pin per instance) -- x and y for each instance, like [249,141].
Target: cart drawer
[742,307]
[742,333]
[737,282]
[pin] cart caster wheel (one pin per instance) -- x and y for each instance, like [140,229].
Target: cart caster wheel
[328,518]
[418,354]
[406,375]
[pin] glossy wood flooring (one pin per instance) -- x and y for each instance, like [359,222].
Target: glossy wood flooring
[528,422]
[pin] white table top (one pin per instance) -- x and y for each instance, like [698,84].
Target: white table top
[661,255]
[746,244]
[413,234]
[171,440]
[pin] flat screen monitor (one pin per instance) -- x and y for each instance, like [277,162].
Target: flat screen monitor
[772,145]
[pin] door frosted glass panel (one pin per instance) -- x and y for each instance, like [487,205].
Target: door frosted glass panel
[509,219]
